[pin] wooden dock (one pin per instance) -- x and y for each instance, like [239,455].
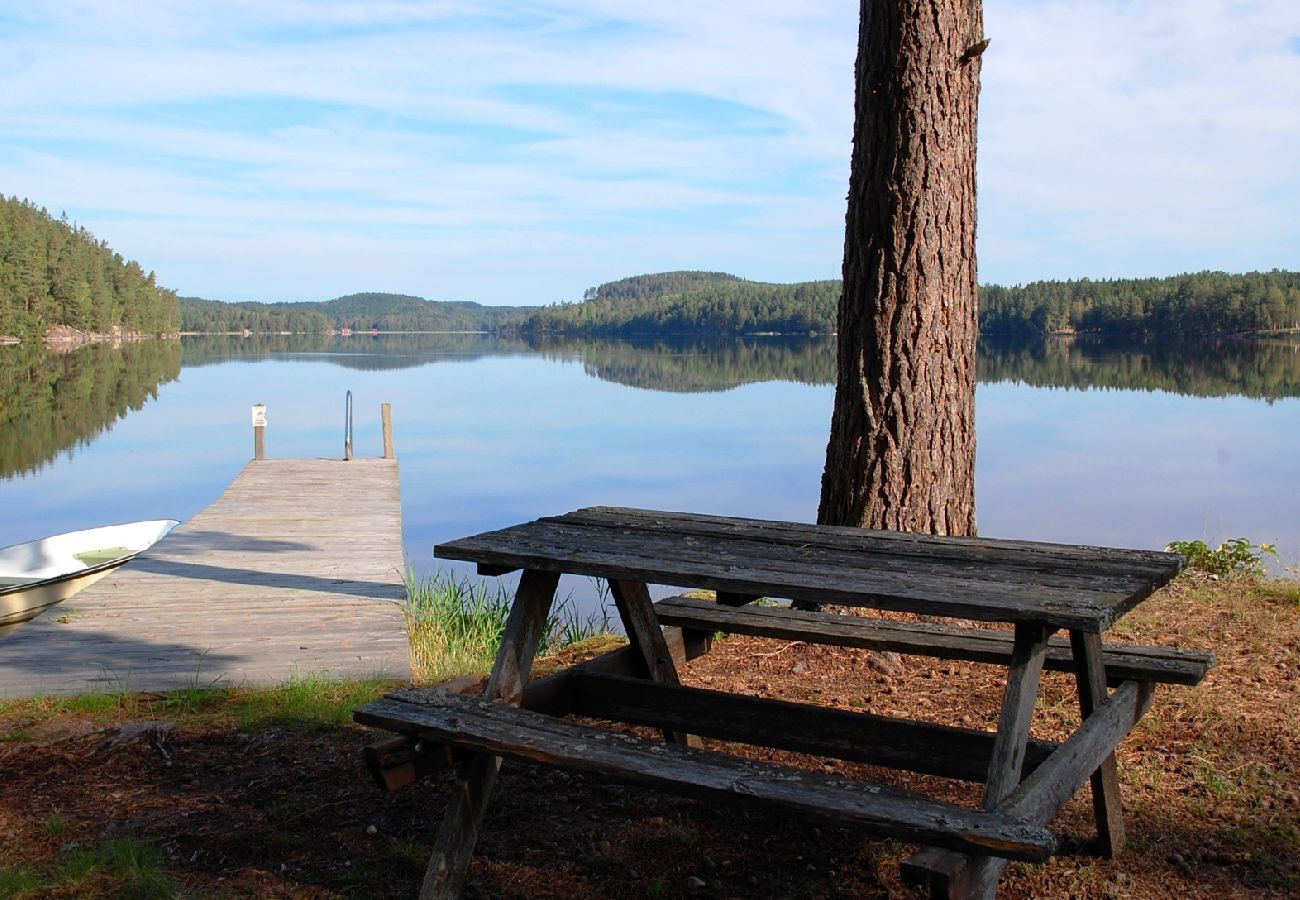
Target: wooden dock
[295,570]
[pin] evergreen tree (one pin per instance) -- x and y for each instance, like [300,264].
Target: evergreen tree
[53,273]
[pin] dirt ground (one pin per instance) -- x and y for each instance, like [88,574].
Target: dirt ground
[1209,777]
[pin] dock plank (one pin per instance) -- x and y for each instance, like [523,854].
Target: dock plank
[297,568]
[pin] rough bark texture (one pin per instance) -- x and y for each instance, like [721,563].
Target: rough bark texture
[902,447]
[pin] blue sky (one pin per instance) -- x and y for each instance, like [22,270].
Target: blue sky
[520,152]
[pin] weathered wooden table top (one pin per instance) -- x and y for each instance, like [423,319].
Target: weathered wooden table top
[1080,588]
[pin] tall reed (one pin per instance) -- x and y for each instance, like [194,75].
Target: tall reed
[455,625]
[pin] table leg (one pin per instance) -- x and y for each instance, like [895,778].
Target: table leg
[1018,703]
[632,598]
[1090,672]
[952,874]
[475,777]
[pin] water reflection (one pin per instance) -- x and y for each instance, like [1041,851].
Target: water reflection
[52,402]
[696,366]
[362,352]
[1266,370]
[1263,370]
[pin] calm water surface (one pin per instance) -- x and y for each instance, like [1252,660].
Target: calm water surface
[1124,446]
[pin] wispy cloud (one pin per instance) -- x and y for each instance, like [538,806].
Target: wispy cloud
[1140,138]
[521,151]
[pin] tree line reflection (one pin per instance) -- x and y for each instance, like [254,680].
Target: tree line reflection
[56,402]
[363,352]
[1226,367]
[51,403]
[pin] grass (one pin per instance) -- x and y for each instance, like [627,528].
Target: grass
[55,825]
[309,700]
[455,626]
[91,705]
[126,868]
[17,881]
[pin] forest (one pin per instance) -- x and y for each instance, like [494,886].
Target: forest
[715,304]
[710,303]
[1202,303]
[649,287]
[704,303]
[359,312]
[53,272]
[199,316]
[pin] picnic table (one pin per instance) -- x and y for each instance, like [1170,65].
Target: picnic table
[1036,588]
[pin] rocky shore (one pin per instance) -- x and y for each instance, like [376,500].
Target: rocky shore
[64,337]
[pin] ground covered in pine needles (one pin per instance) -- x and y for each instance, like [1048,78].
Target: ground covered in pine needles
[213,794]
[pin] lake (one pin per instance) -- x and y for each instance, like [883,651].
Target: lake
[1128,445]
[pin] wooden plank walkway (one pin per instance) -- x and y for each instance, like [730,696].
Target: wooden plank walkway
[296,569]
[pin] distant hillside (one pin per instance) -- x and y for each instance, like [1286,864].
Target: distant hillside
[360,312]
[1196,303]
[401,312]
[712,303]
[719,304]
[650,287]
[53,273]
[692,303]
[216,317]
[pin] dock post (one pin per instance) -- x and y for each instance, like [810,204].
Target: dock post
[386,413]
[259,431]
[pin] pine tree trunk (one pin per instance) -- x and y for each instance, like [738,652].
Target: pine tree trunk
[901,454]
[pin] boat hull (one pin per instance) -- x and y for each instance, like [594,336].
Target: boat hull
[19,606]
[41,574]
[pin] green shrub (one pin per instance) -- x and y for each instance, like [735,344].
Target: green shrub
[1235,557]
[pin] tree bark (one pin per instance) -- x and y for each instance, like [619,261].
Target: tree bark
[901,454]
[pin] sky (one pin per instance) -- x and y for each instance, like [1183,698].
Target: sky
[521,152]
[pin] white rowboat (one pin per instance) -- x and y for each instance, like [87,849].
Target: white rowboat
[39,574]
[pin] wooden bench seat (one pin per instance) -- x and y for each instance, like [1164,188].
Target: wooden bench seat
[1124,662]
[465,723]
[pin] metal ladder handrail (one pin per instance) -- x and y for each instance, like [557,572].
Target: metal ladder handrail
[347,427]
